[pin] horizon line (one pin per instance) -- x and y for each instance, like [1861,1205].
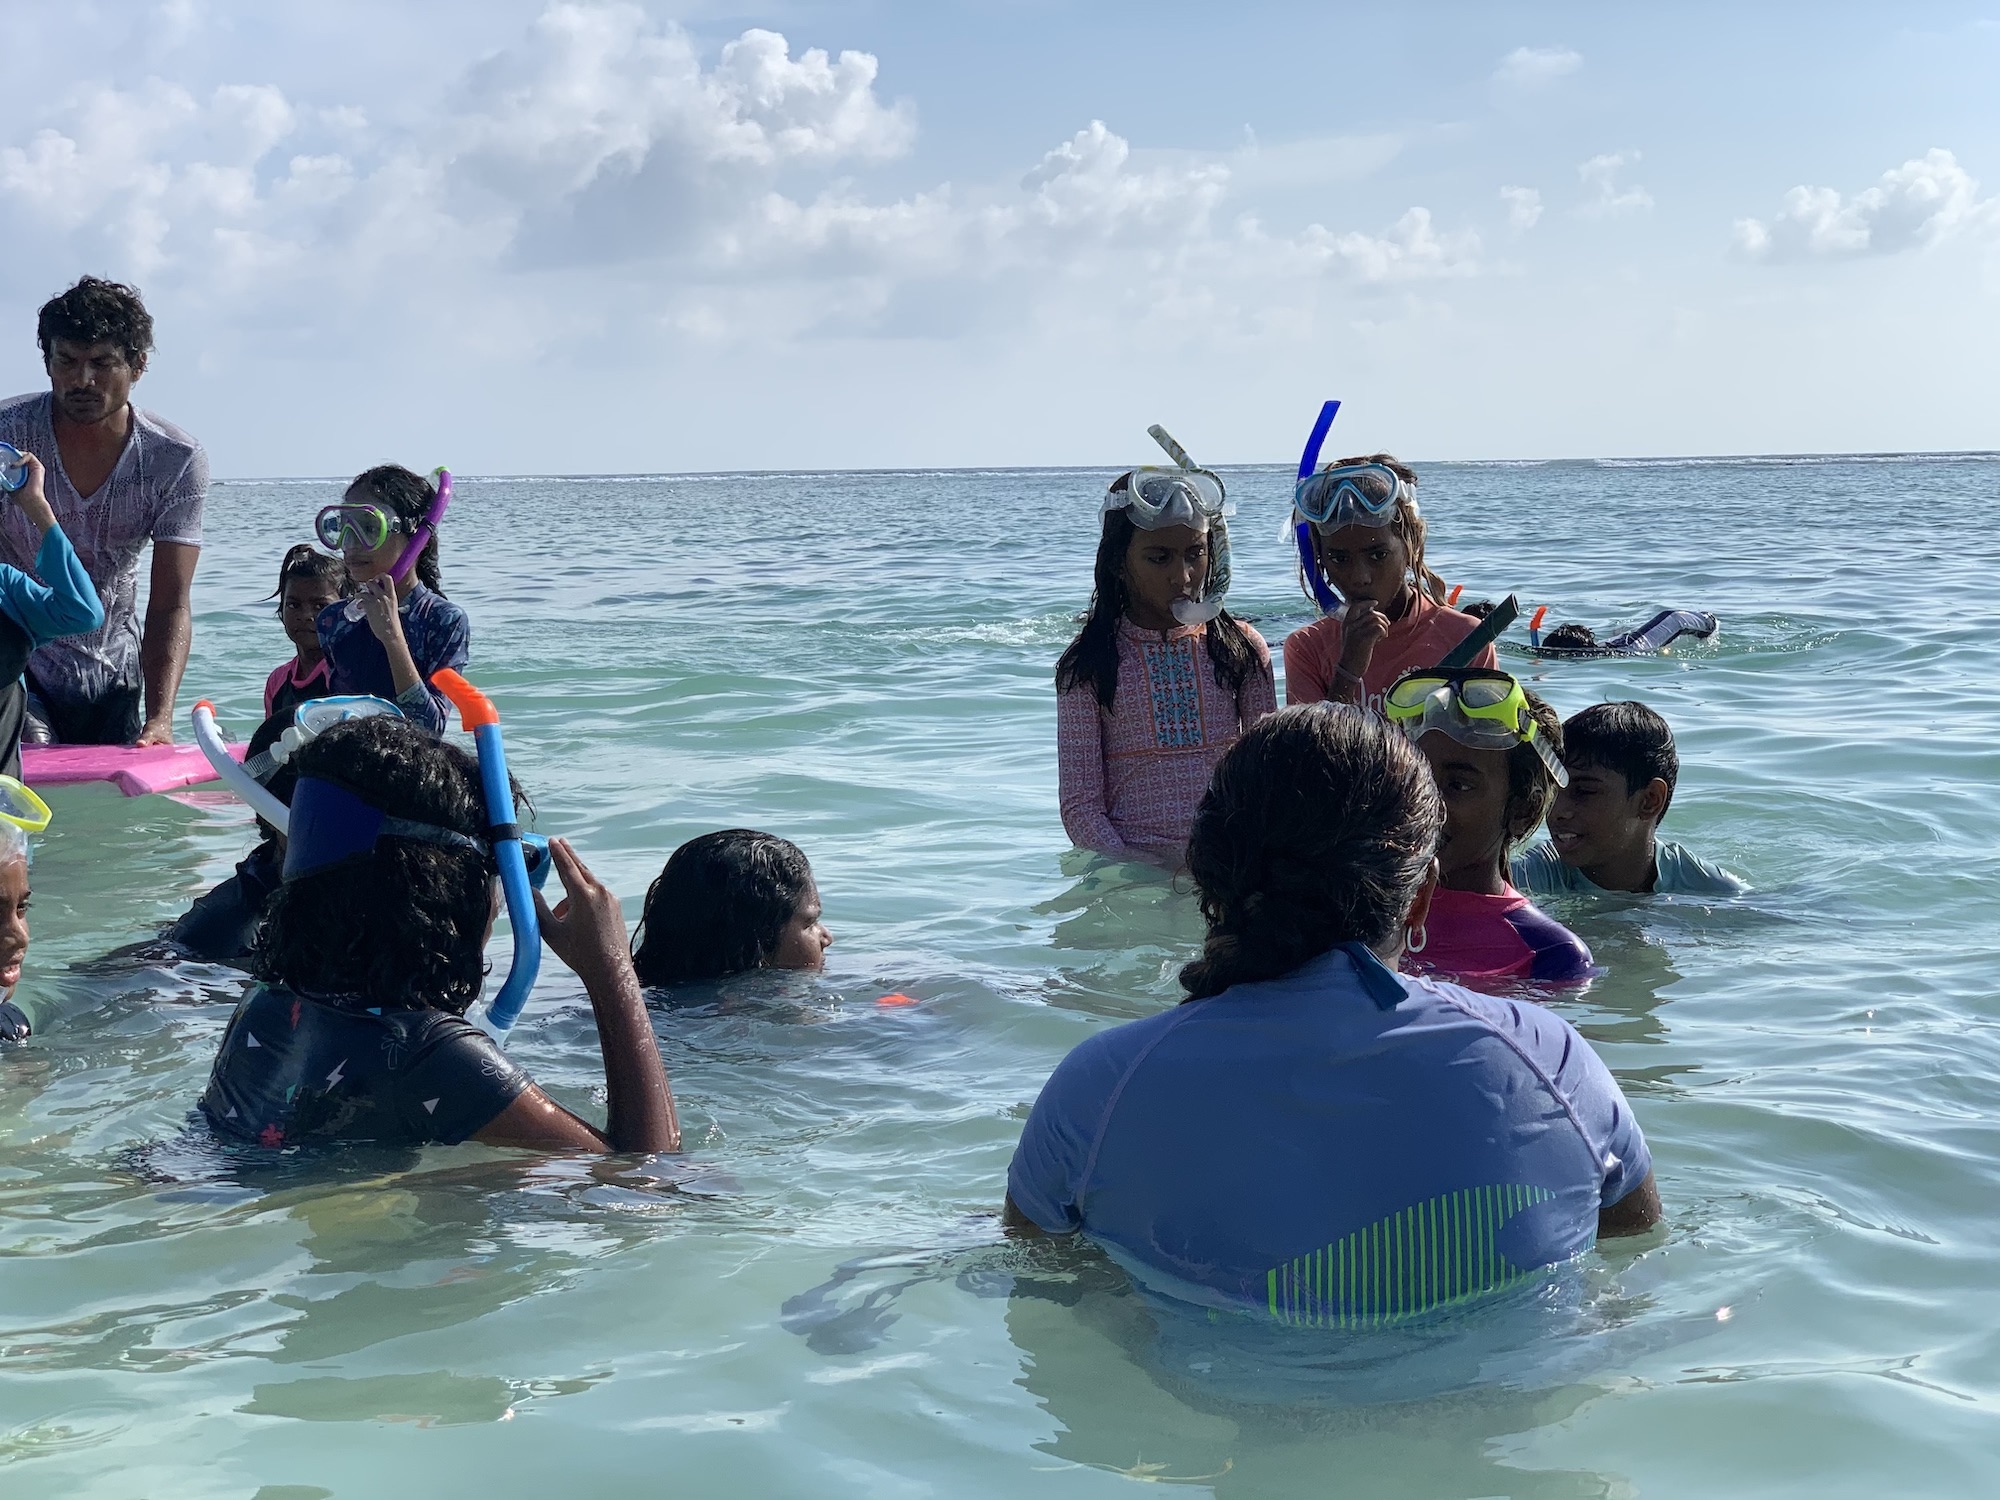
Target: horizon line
[1075,468]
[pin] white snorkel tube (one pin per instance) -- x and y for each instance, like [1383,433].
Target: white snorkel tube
[1201,611]
[208,735]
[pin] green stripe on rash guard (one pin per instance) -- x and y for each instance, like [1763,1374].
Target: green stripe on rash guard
[1434,1254]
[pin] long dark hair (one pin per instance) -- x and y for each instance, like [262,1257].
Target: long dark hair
[410,496]
[719,907]
[1092,658]
[403,927]
[1317,830]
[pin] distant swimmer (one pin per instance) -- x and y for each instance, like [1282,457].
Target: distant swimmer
[1649,639]
[1496,752]
[1604,825]
[398,629]
[56,600]
[728,902]
[374,947]
[117,478]
[1282,1142]
[1161,679]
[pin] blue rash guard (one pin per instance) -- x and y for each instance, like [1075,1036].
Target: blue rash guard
[58,600]
[438,635]
[1303,1147]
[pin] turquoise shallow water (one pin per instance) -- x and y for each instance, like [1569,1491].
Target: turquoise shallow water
[815,1300]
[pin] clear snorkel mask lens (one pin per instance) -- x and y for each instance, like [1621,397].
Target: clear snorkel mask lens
[1479,707]
[1349,495]
[1158,498]
[354,528]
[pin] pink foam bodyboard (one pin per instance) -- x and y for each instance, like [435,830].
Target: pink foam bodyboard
[135,772]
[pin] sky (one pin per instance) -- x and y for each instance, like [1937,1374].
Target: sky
[517,236]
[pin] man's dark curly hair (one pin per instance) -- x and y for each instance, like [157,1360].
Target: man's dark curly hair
[97,312]
[719,907]
[410,496]
[403,927]
[1317,830]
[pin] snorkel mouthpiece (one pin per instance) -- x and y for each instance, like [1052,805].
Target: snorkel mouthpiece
[477,713]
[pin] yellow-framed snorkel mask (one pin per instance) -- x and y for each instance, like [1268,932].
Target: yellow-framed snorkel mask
[1482,707]
[21,807]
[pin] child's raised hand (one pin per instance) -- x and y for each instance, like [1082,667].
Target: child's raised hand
[1362,629]
[32,498]
[378,602]
[586,929]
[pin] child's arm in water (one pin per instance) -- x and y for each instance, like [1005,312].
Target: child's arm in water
[587,932]
[1080,773]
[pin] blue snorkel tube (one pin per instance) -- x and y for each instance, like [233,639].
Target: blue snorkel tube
[477,713]
[1329,601]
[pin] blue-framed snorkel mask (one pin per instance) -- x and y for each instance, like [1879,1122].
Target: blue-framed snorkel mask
[332,823]
[1350,495]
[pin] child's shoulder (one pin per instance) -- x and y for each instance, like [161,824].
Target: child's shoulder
[1320,636]
[1682,873]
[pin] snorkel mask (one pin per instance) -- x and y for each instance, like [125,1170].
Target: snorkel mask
[1477,706]
[21,807]
[477,713]
[250,780]
[1189,496]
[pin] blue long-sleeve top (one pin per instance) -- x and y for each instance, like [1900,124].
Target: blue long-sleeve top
[438,635]
[66,605]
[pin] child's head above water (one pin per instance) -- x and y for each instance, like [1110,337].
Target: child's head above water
[308,581]
[1139,574]
[727,902]
[1622,770]
[1493,798]
[406,497]
[1379,563]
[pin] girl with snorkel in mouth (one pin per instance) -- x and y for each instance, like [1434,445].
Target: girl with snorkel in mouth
[1362,558]
[1161,679]
[398,628]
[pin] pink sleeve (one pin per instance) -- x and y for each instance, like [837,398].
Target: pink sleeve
[1259,694]
[1307,675]
[1080,773]
[272,683]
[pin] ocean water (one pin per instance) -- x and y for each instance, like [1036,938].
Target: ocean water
[815,1299]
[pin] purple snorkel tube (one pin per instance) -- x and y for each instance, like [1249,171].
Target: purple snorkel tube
[424,533]
[1328,600]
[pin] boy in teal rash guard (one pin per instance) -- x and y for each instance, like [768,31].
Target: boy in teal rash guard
[1603,827]
[36,610]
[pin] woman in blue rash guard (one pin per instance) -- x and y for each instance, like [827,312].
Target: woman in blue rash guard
[373,948]
[1310,1133]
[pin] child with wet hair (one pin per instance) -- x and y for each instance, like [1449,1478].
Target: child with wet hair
[309,581]
[407,629]
[727,902]
[1394,617]
[1604,826]
[1481,928]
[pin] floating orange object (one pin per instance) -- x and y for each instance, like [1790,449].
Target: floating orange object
[1456,590]
[897,999]
[1536,623]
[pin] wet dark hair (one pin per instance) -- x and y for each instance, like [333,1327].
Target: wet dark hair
[1570,637]
[404,926]
[307,561]
[1317,830]
[1091,660]
[410,496]
[719,906]
[1530,788]
[95,311]
[1628,738]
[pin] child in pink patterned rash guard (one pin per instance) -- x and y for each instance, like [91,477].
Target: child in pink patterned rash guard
[1161,680]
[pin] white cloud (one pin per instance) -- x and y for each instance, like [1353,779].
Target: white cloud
[1524,207]
[1923,202]
[721,199]
[1533,67]
[1604,193]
